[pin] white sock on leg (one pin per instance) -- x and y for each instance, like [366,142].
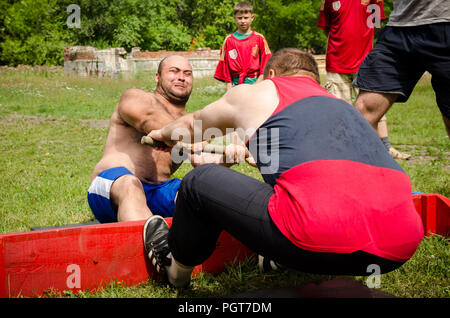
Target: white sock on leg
[179,275]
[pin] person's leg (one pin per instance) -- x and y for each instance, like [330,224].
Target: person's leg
[210,198]
[447,125]
[340,85]
[384,136]
[214,198]
[113,188]
[435,53]
[388,74]
[373,105]
[127,194]
[441,88]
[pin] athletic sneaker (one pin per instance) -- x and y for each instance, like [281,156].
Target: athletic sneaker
[156,245]
[398,155]
[266,265]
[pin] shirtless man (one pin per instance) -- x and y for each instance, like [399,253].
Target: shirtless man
[132,181]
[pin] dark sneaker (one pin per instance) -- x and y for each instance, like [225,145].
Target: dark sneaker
[266,265]
[156,245]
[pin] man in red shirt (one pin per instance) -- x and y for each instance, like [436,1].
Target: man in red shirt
[349,26]
[244,53]
[332,201]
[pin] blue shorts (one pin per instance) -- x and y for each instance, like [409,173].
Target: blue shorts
[400,58]
[160,197]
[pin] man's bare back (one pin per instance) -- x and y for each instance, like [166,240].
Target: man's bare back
[123,144]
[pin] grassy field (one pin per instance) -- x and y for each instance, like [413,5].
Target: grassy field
[52,134]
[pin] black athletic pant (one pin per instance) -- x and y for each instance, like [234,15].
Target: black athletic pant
[213,198]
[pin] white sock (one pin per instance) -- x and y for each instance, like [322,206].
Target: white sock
[179,275]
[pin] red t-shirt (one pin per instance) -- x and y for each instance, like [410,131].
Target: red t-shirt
[242,58]
[351,32]
[336,189]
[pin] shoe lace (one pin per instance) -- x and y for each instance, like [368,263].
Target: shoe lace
[161,249]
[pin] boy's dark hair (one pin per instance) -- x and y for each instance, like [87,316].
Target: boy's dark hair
[243,7]
[289,61]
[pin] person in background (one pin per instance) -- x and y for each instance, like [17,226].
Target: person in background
[349,26]
[416,39]
[244,53]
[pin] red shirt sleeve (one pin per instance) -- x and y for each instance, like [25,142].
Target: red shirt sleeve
[380,3]
[324,17]
[223,69]
[266,54]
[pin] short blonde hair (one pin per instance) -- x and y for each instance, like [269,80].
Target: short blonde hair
[243,7]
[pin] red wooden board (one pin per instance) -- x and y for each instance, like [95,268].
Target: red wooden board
[434,210]
[86,257]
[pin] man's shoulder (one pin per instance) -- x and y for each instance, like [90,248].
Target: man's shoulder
[134,98]
[136,93]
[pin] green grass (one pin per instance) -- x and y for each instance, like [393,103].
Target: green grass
[52,135]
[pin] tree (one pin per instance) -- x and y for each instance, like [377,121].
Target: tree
[290,23]
[209,21]
[33,33]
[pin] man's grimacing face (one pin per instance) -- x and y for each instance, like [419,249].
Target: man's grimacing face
[176,79]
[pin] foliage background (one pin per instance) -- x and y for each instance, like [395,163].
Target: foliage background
[35,32]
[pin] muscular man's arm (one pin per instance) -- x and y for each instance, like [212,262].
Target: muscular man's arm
[220,115]
[245,108]
[138,109]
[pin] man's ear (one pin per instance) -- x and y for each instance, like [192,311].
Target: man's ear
[272,73]
[156,77]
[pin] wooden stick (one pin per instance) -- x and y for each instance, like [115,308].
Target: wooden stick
[218,149]
[147,140]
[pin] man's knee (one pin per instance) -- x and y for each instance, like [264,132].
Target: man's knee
[374,105]
[124,186]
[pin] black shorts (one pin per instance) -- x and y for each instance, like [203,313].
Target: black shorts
[400,58]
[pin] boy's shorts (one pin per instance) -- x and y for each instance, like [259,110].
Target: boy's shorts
[160,197]
[400,58]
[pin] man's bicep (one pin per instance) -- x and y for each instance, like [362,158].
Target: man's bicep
[138,111]
[131,108]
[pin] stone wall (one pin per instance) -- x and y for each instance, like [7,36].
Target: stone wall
[89,61]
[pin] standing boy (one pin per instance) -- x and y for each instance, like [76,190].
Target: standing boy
[349,26]
[244,53]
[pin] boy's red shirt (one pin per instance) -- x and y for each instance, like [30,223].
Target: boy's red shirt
[351,35]
[242,58]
